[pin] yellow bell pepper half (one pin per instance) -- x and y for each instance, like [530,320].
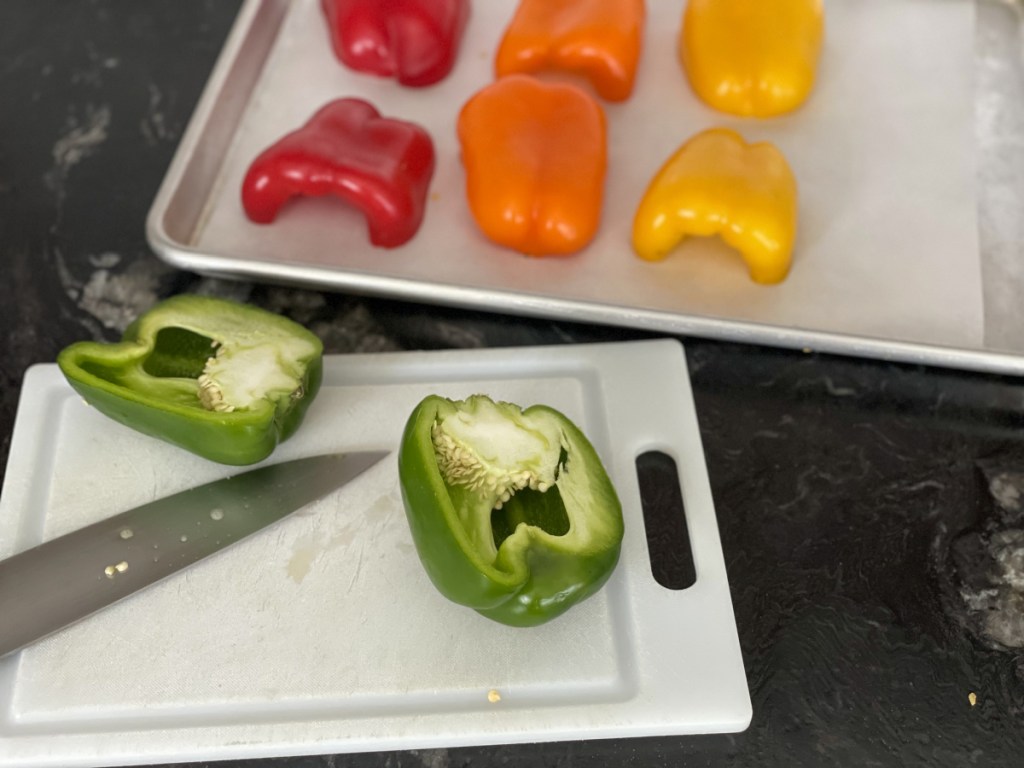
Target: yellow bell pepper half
[717,184]
[753,58]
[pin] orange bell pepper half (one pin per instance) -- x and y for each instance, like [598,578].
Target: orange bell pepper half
[535,155]
[753,58]
[597,39]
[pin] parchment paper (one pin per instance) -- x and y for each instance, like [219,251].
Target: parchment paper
[884,153]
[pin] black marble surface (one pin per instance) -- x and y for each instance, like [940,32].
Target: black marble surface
[870,513]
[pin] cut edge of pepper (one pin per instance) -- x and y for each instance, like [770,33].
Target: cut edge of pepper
[508,560]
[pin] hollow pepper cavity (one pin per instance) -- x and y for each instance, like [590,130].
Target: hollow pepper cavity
[535,156]
[750,57]
[511,510]
[380,165]
[599,40]
[223,380]
[717,184]
[414,41]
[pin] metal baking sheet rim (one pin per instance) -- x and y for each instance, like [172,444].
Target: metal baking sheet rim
[182,256]
[586,312]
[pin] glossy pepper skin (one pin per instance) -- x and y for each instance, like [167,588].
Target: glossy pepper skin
[717,184]
[380,165]
[511,510]
[223,380]
[535,155]
[414,41]
[599,40]
[750,57]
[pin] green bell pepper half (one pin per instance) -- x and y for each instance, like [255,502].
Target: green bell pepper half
[511,511]
[224,380]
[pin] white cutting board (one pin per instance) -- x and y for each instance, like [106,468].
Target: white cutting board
[322,634]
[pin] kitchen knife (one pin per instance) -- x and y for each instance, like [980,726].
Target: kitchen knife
[68,578]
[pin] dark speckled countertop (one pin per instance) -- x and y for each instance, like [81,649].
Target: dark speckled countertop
[872,515]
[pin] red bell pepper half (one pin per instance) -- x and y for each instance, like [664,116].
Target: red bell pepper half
[380,165]
[415,41]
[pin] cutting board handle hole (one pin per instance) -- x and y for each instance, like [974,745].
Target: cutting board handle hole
[668,539]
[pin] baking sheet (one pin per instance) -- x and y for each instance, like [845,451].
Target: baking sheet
[323,634]
[999,125]
[887,260]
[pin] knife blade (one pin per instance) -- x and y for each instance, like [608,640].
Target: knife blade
[68,578]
